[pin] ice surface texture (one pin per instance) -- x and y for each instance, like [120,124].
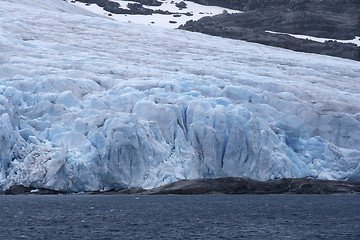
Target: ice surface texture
[88,103]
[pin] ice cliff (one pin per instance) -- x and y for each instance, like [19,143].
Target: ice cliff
[88,103]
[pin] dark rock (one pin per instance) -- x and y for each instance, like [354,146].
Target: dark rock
[127,191]
[181,5]
[325,19]
[230,185]
[154,3]
[173,22]
[132,191]
[136,8]
[249,5]
[20,189]
[166,12]
[248,186]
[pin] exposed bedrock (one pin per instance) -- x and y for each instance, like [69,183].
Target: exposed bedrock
[324,19]
[248,186]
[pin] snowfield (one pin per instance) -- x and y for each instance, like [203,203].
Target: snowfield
[162,20]
[89,103]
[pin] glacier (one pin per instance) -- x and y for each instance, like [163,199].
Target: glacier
[88,103]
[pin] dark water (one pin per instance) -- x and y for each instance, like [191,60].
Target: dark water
[180,217]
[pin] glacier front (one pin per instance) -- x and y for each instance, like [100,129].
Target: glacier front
[88,103]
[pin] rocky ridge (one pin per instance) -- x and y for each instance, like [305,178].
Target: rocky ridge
[333,19]
[131,8]
[230,185]
[248,186]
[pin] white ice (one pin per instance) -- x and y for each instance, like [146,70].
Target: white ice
[88,103]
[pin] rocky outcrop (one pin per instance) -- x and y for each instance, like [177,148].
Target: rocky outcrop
[228,185]
[20,189]
[248,186]
[137,8]
[249,5]
[325,19]
[216,28]
[149,2]
[181,5]
[328,19]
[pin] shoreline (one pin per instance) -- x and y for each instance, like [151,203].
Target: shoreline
[228,185]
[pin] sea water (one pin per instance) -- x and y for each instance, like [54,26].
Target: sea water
[180,217]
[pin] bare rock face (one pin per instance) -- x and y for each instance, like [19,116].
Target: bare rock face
[229,185]
[136,7]
[149,2]
[20,189]
[248,186]
[324,19]
[181,5]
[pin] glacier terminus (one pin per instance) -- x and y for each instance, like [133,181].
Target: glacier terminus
[88,103]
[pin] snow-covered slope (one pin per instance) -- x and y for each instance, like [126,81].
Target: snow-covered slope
[89,103]
[193,11]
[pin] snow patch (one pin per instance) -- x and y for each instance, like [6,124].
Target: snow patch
[167,21]
[355,41]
